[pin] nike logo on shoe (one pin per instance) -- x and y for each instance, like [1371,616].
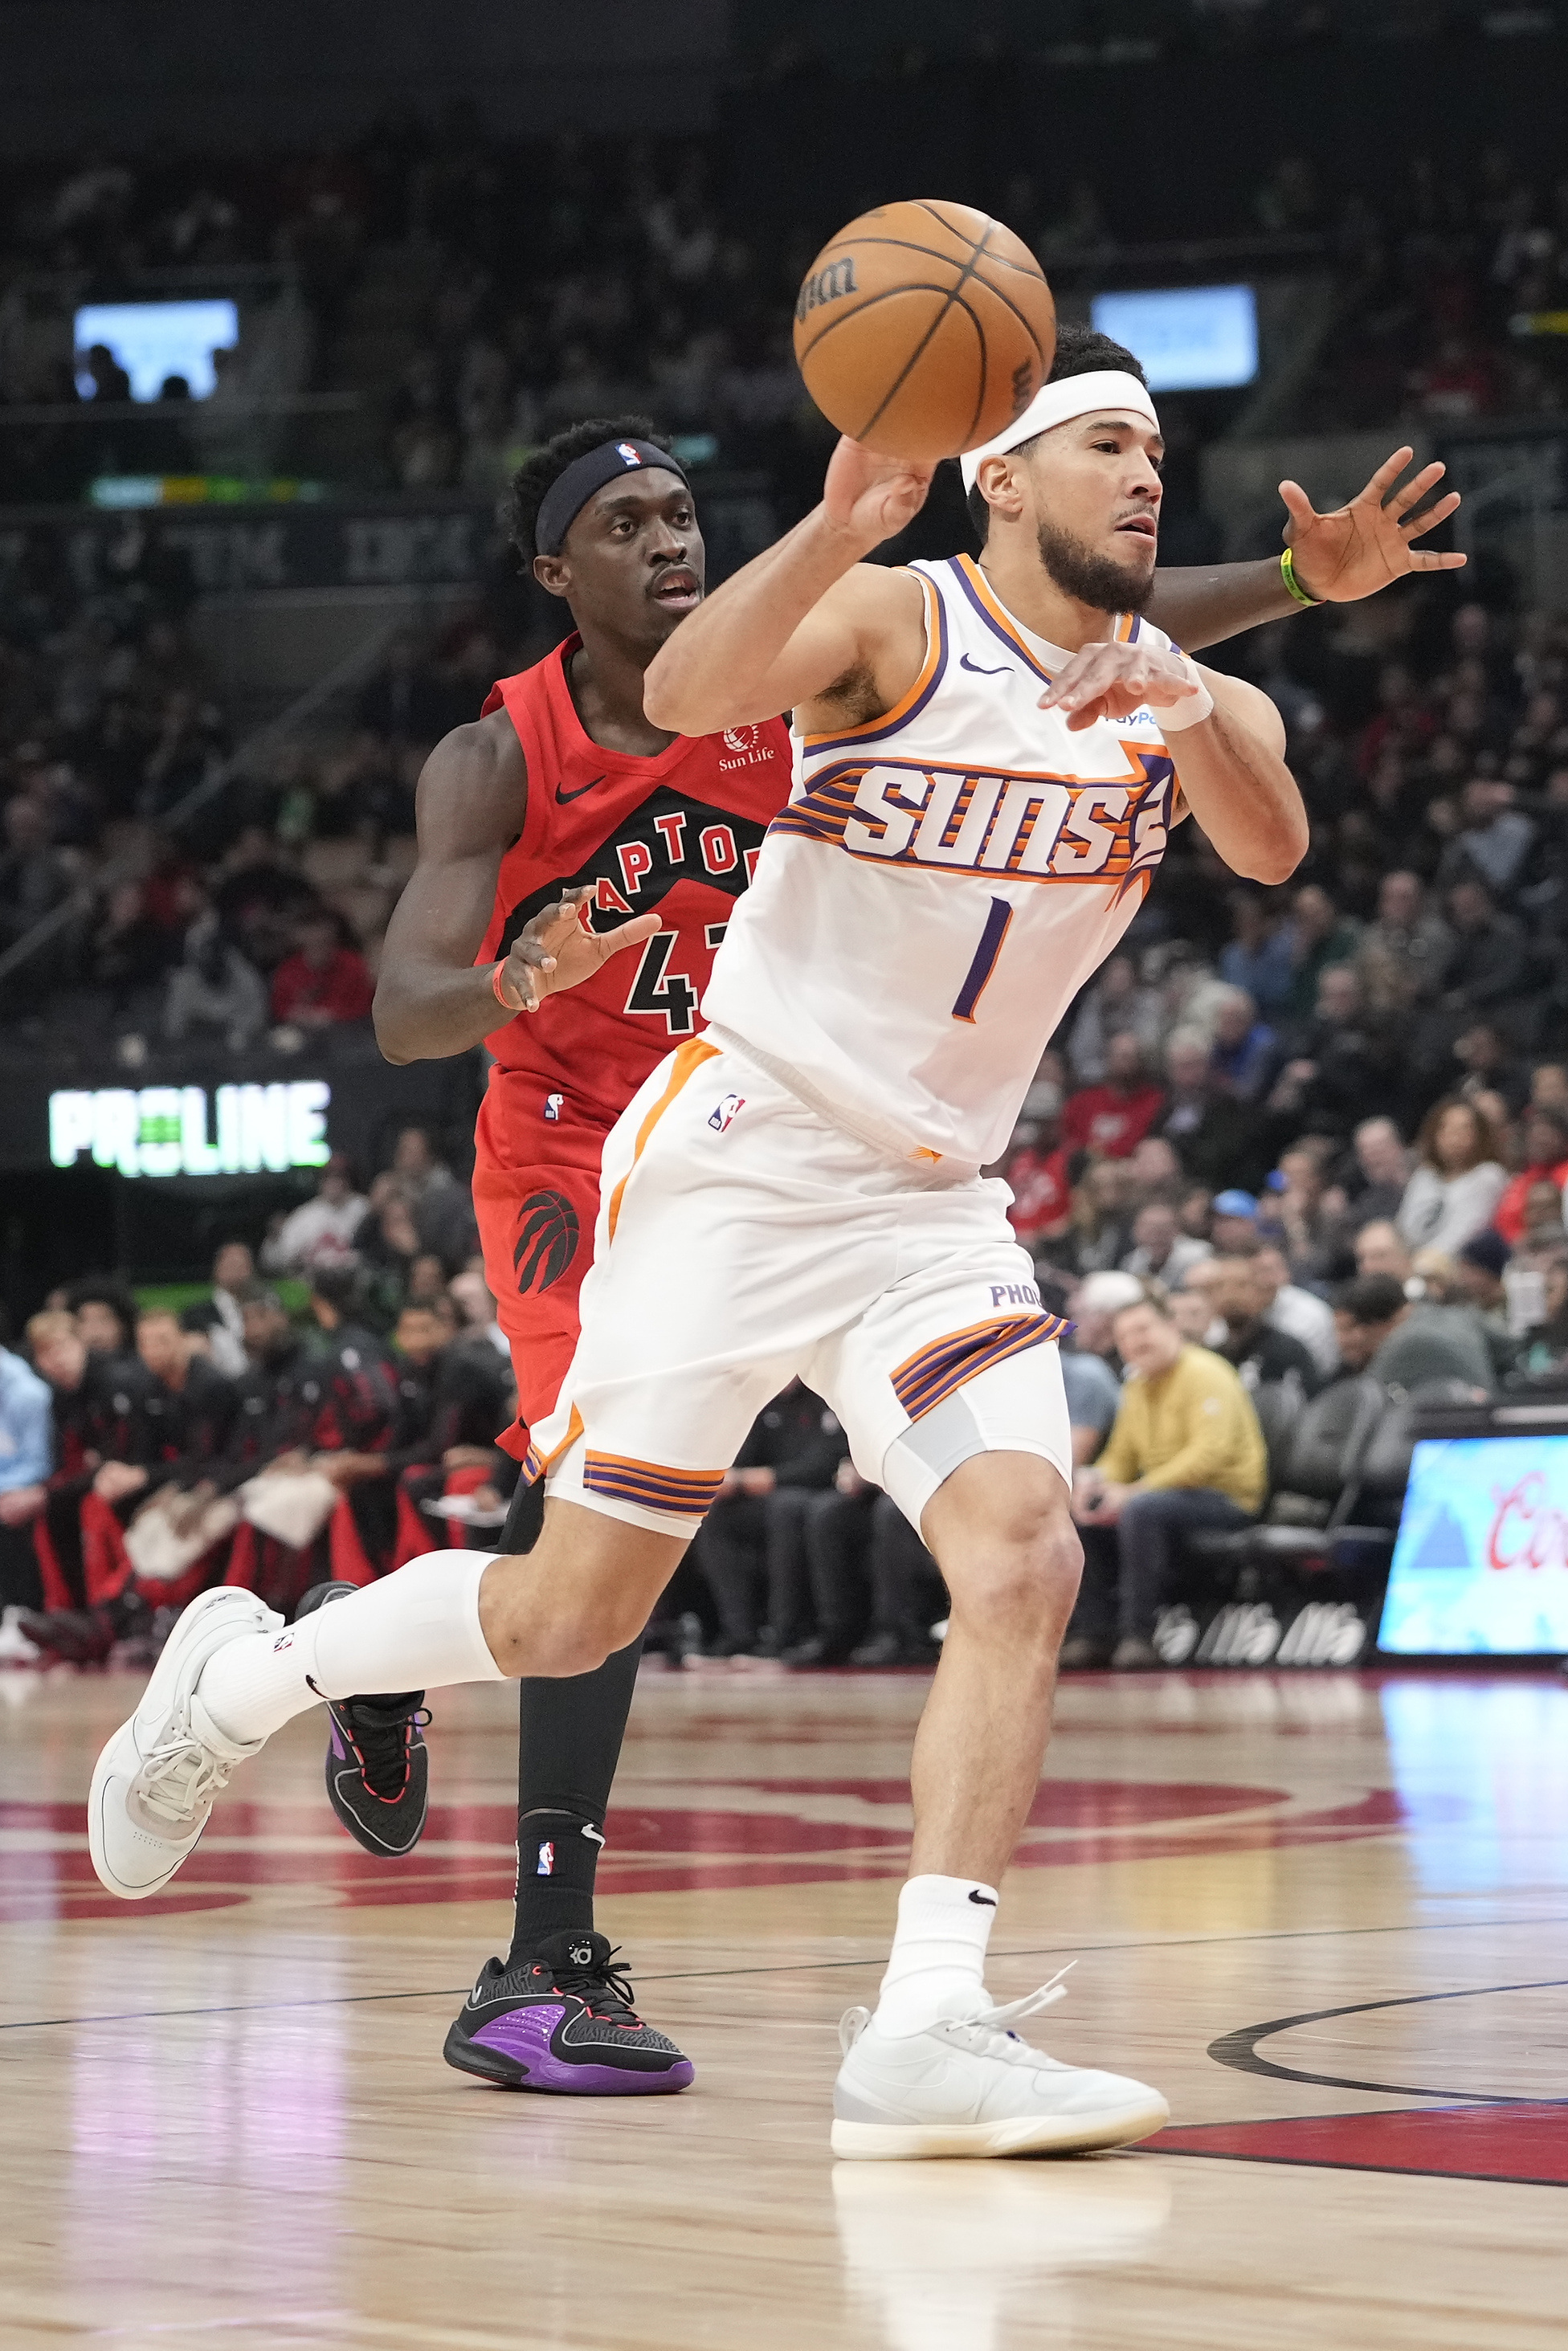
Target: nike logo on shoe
[987,1901]
[964,663]
[562,798]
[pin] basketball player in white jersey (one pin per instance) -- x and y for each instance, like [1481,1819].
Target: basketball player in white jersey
[990,757]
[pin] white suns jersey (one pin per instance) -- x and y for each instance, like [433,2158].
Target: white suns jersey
[942,882]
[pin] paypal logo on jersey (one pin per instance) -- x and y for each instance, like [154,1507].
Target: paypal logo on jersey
[1042,827]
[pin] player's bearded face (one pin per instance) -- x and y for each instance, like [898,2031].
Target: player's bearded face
[1108,583]
[1096,520]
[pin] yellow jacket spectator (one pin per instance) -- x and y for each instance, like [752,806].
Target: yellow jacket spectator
[1191,1424]
[1185,1454]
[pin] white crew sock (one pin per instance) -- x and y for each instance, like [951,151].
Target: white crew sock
[937,1964]
[418,1629]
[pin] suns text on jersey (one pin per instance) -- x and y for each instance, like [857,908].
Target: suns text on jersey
[1042,827]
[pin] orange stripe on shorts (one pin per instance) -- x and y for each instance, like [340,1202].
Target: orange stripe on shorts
[688,1059]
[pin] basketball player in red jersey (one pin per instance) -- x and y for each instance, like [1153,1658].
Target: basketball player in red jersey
[563,795]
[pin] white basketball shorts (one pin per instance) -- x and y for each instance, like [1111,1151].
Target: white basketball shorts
[744,1239]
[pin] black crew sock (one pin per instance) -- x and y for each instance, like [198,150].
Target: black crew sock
[569,1747]
[570,1744]
[524,1518]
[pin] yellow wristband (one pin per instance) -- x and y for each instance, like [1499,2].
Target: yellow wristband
[1294,586]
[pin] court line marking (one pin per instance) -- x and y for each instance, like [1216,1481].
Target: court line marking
[1239,2049]
[196,2326]
[822,1967]
[347,2326]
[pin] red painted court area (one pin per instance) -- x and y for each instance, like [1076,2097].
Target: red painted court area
[753,1831]
[1524,2141]
[1324,1913]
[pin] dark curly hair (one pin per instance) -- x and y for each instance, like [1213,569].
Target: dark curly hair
[520,507]
[104,1290]
[1080,350]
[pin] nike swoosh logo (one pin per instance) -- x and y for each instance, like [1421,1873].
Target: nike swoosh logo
[964,663]
[986,1901]
[562,798]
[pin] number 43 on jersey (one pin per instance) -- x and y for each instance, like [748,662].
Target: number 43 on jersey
[658,992]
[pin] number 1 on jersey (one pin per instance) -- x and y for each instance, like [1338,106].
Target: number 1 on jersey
[984,961]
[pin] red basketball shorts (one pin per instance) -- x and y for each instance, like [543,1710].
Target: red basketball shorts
[536,1217]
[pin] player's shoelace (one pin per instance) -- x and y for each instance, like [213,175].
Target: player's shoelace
[988,2034]
[381,1741]
[181,1777]
[604,1989]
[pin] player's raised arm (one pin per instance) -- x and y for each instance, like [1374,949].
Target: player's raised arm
[430,999]
[1232,773]
[806,616]
[1335,559]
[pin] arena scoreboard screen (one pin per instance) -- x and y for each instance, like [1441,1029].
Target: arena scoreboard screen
[154,341]
[1480,1563]
[1185,338]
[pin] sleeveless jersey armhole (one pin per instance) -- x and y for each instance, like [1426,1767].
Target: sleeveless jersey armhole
[934,660]
[533,731]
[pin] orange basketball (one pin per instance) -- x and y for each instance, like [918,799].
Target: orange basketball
[924,328]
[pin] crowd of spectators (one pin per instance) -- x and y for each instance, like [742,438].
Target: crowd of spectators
[1317,1135]
[584,275]
[256,917]
[1233,1340]
[320,1415]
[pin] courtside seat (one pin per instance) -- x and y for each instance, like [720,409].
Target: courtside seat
[1315,1457]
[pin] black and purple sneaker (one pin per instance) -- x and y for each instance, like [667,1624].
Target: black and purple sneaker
[378,1766]
[564,2022]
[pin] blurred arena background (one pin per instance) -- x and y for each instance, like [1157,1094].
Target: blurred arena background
[285,299]
[243,595]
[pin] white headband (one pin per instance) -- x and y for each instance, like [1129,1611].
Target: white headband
[1059,403]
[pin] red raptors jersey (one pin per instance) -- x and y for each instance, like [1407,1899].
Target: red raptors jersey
[678,833]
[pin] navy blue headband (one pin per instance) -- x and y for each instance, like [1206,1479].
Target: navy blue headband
[566,497]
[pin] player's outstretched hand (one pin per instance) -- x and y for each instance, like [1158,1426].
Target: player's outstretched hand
[1366,545]
[1112,680]
[871,497]
[558,950]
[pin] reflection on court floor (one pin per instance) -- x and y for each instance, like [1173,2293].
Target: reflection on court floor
[1324,1912]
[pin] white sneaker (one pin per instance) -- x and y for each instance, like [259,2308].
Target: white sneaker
[968,2085]
[154,1789]
[16,1649]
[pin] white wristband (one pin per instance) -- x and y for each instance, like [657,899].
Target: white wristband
[1193,709]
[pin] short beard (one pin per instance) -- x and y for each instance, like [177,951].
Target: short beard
[1097,581]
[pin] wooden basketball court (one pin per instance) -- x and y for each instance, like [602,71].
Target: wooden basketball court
[1327,1914]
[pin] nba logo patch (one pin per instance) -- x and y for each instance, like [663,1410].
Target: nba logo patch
[624,450]
[546,1860]
[725,1112]
[552,1106]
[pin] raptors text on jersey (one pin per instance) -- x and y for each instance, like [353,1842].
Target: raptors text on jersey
[677,834]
